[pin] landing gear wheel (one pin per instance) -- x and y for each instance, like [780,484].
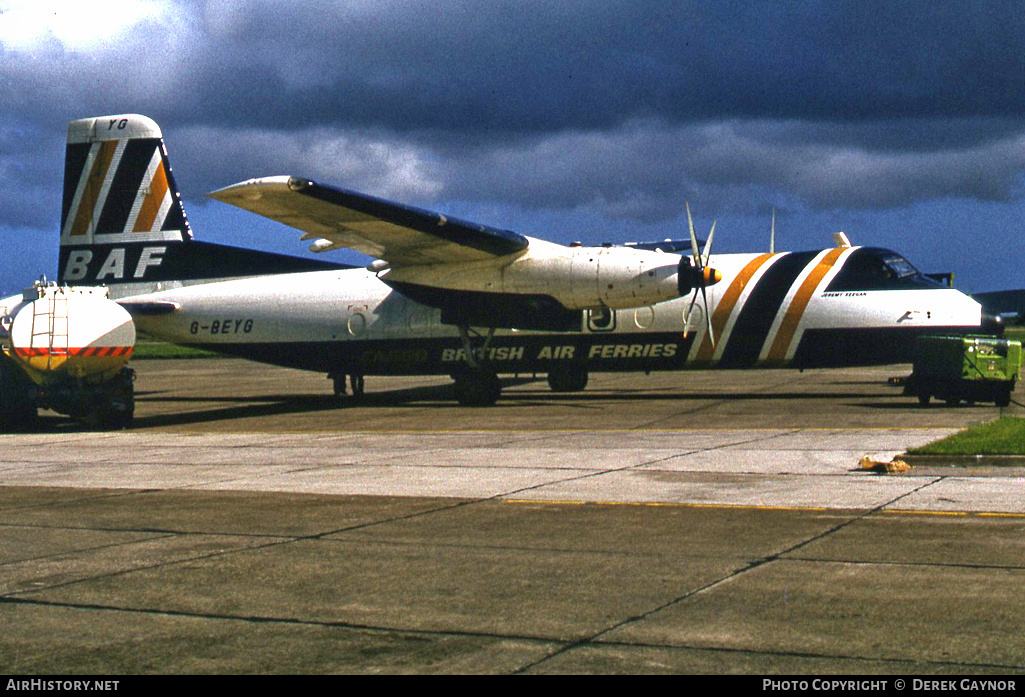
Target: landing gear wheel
[338,383]
[567,378]
[478,387]
[477,384]
[356,383]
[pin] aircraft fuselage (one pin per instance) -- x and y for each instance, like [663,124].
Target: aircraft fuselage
[834,307]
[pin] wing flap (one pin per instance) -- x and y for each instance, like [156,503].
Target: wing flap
[401,235]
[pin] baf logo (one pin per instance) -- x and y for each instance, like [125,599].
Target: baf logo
[115,264]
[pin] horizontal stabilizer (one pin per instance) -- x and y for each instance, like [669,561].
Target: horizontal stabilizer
[1006,304]
[149,309]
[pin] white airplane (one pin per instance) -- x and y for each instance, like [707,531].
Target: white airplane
[446,296]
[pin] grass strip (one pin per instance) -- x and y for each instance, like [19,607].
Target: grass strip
[158,350]
[1004,436]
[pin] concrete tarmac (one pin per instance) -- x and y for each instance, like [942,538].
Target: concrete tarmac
[693,522]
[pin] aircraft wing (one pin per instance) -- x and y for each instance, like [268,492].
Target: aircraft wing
[401,235]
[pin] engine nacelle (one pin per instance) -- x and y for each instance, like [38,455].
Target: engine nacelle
[635,277]
[56,332]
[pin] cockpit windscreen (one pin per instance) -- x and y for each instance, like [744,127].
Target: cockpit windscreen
[874,268]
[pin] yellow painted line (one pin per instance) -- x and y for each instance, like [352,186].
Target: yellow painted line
[899,511]
[658,504]
[593,432]
[727,506]
[980,514]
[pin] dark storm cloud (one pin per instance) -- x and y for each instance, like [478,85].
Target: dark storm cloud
[531,66]
[626,107]
[646,170]
[511,66]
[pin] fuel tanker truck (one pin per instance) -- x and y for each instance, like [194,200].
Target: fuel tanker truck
[66,349]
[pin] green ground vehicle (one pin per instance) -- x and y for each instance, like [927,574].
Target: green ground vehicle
[969,368]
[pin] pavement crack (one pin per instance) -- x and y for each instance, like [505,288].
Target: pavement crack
[750,566]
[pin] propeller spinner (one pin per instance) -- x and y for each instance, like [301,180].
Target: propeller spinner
[695,274]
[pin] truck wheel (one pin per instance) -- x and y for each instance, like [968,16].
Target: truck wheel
[1003,397]
[113,409]
[17,408]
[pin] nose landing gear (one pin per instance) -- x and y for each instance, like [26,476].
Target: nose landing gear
[476,383]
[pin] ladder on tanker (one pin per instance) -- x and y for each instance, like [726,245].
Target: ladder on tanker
[50,329]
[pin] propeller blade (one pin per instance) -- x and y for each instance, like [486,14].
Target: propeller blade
[700,265]
[772,233]
[686,315]
[708,246]
[693,235]
[708,316]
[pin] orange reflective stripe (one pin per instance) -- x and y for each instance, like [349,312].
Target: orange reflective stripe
[36,351]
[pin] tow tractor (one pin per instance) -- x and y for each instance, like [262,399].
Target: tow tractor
[969,368]
[66,349]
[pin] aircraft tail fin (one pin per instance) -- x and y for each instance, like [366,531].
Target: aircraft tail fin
[118,185]
[123,223]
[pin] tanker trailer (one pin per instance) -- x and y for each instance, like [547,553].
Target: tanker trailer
[65,349]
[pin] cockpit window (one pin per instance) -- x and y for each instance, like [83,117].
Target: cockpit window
[872,268]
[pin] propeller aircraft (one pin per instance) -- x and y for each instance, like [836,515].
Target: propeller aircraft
[451,297]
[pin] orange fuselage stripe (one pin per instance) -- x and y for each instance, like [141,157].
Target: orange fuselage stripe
[788,327]
[729,300]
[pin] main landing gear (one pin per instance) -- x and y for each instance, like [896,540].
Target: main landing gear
[476,383]
[355,383]
[567,378]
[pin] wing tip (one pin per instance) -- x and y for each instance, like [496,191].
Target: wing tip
[254,189]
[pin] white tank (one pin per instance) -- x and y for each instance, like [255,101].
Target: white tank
[58,332]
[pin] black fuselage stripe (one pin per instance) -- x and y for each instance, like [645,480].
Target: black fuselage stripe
[756,317]
[819,348]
